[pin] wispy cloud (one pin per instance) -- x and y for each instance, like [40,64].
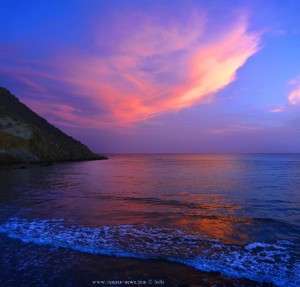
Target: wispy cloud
[294,96]
[278,109]
[148,68]
[236,128]
[150,76]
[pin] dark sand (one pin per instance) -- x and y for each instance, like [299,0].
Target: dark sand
[38,265]
[160,273]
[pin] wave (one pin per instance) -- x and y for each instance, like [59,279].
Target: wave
[163,202]
[262,262]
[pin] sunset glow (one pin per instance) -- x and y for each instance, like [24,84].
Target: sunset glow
[155,68]
[294,97]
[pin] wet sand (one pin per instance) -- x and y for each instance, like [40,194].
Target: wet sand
[112,271]
[39,265]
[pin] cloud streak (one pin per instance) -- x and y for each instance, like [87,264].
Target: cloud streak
[149,68]
[148,77]
[294,96]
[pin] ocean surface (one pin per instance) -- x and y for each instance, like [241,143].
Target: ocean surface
[219,220]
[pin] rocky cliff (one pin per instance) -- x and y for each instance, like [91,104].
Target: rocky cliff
[27,137]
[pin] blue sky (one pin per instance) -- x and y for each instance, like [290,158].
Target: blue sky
[156,76]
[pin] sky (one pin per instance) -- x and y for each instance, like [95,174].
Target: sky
[158,76]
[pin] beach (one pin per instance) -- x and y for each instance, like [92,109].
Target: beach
[81,269]
[152,220]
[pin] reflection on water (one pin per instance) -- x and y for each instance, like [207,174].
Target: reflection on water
[218,195]
[205,211]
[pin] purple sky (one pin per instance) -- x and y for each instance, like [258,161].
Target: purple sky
[158,76]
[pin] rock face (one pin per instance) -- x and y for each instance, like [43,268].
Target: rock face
[27,137]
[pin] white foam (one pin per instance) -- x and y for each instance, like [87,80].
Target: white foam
[256,245]
[257,261]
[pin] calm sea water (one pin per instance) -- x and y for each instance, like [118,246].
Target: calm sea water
[237,215]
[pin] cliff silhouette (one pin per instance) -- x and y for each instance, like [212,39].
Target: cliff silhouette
[27,137]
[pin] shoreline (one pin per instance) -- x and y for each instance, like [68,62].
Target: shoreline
[79,269]
[47,163]
[102,270]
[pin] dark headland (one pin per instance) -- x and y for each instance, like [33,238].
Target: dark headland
[25,137]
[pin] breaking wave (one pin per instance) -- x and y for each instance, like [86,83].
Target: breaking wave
[262,262]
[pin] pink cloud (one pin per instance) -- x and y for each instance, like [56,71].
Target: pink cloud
[62,114]
[294,96]
[236,128]
[278,109]
[148,77]
[150,67]
[215,65]
[154,33]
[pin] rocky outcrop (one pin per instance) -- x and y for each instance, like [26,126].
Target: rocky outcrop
[27,137]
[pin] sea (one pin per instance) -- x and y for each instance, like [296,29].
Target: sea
[152,220]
